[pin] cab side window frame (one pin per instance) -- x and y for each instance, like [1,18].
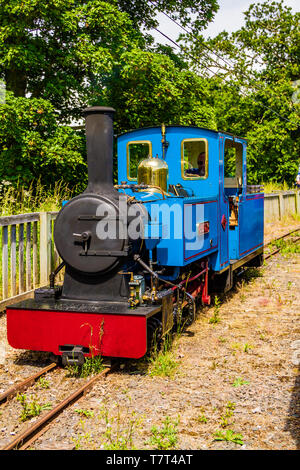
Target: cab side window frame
[183,161]
[136,142]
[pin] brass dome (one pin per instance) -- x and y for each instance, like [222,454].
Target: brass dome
[153,171]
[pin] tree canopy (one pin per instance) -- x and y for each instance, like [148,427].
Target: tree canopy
[59,56]
[63,50]
[253,91]
[34,147]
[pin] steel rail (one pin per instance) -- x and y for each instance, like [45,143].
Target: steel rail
[278,249]
[282,236]
[267,256]
[24,439]
[12,391]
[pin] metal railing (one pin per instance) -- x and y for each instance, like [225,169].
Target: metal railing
[28,254]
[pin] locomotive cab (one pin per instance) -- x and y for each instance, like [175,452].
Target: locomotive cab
[208,176]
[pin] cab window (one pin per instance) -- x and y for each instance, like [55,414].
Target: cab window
[233,164]
[136,152]
[194,159]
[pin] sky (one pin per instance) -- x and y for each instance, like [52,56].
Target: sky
[229,18]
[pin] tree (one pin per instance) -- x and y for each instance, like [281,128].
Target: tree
[195,13]
[253,93]
[63,50]
[33,146]
[54,49]
[150,89]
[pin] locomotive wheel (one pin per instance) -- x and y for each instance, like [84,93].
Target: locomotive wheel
[177,318]
[189,314]
[154,334]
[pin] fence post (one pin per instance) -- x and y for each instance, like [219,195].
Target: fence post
[45,248]
[5,262]
[297,201]
[281,206]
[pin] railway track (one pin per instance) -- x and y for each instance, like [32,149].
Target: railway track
[20,387]
[288,234]
[26,438]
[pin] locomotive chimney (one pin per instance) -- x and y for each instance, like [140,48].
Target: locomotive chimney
[99,145]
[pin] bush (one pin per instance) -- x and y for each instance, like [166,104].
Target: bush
[33,146]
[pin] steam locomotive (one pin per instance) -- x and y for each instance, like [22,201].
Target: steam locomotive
[139,256]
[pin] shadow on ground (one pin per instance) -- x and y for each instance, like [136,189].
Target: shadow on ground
[293,418]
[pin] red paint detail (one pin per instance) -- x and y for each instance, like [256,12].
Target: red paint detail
[205,296]
[223,222]
[105,334]
[201,287]
[201,252]
[251,249]
[253,198]
[203,227]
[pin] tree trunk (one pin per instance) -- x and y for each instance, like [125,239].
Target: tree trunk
[16,81]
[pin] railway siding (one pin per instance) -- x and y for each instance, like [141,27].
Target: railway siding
[238,375]
[237,379]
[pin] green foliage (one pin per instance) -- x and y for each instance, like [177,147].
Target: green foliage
[64,50]
[43,383]
[229,436]
[34,198]
[149,89]
[216,315]
[202,419]
[163,363]
[85,413]
[259,96]
[238,382]
[230,407]
[32,408]
[119,430]
[53,48]
[164,438]
[78,52]
[196,13]
[33,146]
[91,366]
[287,247]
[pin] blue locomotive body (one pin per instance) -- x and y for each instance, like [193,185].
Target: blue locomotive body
[234,217]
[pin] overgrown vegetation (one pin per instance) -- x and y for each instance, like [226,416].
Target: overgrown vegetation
[119,424]
[229,436]
[238,382]
[164,437]
[163,361]
[287,247]
[18,199]
[216,312]
[91,366]
[31,407]
[34,146]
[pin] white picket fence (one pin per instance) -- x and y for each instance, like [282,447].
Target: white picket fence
[280,204]
[28,254]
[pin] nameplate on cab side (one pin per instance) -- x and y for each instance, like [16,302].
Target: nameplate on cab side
[202,227]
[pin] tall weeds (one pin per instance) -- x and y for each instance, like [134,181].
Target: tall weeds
[16,199]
